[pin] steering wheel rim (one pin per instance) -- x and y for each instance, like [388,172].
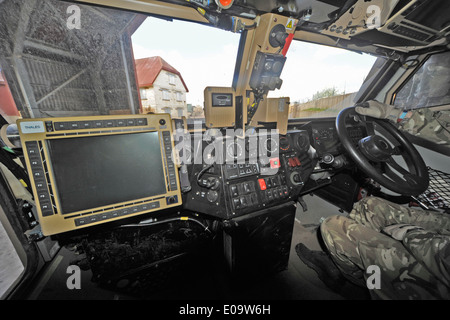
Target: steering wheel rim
[368,153]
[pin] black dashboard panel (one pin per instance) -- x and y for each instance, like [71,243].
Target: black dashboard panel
[325,139]
[260,172]
[234,177]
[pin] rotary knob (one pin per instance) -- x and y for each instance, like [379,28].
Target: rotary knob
[212,196]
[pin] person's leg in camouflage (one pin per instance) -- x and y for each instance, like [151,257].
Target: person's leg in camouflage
[378,213]
[355,244]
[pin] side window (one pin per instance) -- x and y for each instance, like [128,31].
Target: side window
[429,86]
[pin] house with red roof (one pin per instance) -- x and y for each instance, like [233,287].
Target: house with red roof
[8,108]
[161,86]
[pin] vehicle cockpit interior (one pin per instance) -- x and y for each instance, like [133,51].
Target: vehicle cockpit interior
[150,204]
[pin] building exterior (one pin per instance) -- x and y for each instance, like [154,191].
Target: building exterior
[161,86]
[8,108]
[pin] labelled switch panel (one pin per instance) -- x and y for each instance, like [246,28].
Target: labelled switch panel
[258,193]
[243,195]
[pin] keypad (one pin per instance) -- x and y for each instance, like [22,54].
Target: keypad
[120,212]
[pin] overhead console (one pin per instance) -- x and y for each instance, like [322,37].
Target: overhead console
[90,170]
[420,20]
[417,22]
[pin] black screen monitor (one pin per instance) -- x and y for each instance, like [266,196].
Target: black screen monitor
[91,170]
[99,171]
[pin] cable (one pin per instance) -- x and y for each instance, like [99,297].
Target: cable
[145,224]
[252,26]
[6,155]
[201,184]
[252,110]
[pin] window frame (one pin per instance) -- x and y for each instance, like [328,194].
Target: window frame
[172,79]
[143,93]
[165,94]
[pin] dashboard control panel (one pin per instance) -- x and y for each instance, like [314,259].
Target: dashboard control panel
[234,189]
[326,140]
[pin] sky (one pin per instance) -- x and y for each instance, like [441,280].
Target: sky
[206,56]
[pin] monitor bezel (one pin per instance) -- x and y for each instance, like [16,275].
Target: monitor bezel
[57,222]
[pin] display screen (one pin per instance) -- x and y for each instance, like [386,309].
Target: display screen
[222,99]
[97,171]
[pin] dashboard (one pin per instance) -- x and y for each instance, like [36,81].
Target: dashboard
[221,173]
[230,176]
[324,137]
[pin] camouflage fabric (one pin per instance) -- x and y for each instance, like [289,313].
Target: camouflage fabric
[428,124]
[417,267]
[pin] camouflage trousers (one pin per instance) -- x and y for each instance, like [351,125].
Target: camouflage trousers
[417,267]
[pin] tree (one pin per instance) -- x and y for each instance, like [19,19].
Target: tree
[325,93]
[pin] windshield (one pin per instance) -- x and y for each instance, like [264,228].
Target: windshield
[74,59]
[322,81]
[175,64]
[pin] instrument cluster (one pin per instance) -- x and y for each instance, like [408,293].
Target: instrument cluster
[237,149]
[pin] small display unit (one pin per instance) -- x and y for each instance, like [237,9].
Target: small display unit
[220,107]
[91,170]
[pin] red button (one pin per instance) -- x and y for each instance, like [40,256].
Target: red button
[297,161]
[274,163]
[262,184]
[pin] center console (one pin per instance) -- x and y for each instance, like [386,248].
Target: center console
[237,188]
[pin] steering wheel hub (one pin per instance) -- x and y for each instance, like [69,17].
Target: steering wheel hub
[375,148]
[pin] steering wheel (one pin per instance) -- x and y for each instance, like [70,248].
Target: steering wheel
[374,155]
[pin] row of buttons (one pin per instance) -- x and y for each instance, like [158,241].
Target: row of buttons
[407,32]
[242,188]
[94,124]
[40,181]
[170,169]
[269,182]
[273,188]
[242,202]
[274,194]
[234,171]
[116,213]
[243,195]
